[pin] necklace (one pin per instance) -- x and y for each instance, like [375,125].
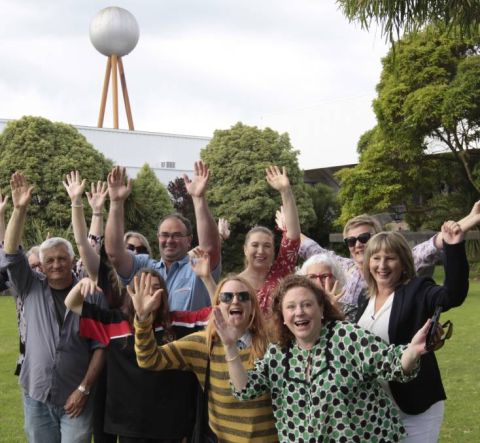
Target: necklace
[308,366]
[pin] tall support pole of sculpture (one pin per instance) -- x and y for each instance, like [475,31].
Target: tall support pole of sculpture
[114,91]
[103,102]
[126,100]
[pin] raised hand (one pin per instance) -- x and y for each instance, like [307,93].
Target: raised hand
[119,186]
[330,286]
[198,186]
[223,229]
[3,204]
[75,186]
[277,179]
[87,287]
[145,301]
[227,333]
[21,190]
[452,232]
[200,262]
[97,196]
[280,219]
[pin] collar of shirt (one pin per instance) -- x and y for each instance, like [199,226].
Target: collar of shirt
[244,341]
[179,263]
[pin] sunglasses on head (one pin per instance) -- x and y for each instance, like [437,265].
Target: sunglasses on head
[137,249]
[227,297]
[362,238]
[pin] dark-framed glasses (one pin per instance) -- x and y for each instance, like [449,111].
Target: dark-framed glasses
[321,277]
[137,249]
[173,235]
[362,238]
[227,297]
[447,328]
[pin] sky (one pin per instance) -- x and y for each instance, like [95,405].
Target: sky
[199,65]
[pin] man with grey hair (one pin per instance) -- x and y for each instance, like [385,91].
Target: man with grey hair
[60,367]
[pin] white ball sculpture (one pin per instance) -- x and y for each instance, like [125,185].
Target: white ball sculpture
[114,31]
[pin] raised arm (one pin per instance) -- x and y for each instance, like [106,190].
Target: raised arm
[208,237]
[96,199]
[119,188]
[21,196]
[279,180]
[75,186]
[466,223]
[200,263]
[74,299]
[229,337]
[3,208]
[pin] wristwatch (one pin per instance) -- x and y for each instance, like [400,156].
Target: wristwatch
[83,390]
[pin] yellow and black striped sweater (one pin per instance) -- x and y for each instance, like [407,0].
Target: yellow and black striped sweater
[231,420]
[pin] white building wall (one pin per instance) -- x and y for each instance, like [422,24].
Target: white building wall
[169,155]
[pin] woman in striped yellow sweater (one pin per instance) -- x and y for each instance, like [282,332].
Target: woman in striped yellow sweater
[231,420]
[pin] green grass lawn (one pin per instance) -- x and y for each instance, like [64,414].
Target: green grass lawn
[459,362]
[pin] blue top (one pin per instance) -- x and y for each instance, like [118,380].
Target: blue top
[186,291]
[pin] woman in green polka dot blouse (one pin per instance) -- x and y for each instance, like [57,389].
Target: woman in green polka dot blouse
[322,372]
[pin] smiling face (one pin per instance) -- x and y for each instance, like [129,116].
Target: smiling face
[259,250]
[237,313]
[57,266]
[173,240]
[386,269]
[357,251]
[302,315]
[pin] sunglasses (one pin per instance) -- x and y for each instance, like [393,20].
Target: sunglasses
[321,277]
[362,238]
[448,326]
[227,297]
[137,249]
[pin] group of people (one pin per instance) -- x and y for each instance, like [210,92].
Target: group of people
[144,350]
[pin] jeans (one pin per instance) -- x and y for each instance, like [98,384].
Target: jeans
[47,423]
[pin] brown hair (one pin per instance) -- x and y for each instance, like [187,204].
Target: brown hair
[390,241]
[282,335]
[180,217]
[256,327]
[162,315]
[363,219]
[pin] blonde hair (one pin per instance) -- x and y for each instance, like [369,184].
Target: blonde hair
[256,325]
[392,242]
[363,219]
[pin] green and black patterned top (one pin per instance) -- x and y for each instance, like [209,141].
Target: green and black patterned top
[342,401]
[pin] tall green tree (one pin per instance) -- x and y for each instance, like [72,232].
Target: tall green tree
[45,152]
[397,16]
[149,202]
[428,102]
[237,158]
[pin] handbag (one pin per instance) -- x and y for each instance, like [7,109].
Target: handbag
[201,431]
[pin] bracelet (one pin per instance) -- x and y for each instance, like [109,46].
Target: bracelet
[228,360]
[98,214]
[77,205]
[83,390]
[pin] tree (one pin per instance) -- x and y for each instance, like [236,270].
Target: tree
[326,208]
[428,102]
[148,203]
[395,16]
[237,158]
[45,152]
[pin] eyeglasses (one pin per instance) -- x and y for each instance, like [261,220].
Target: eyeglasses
[137,249]
[362,238]
[448,325]
[227,297]
[321,277]
[173,236]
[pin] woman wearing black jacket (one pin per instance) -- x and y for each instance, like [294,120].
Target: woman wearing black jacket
[398,304]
